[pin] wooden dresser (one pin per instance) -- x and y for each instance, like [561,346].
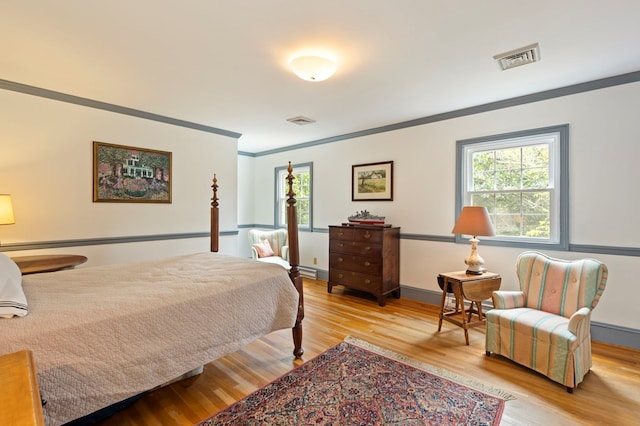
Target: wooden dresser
[366,258]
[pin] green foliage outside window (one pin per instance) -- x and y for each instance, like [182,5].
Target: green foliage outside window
[514,185]
[302,190]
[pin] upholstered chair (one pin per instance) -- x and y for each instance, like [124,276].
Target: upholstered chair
[270,246]
[546,325]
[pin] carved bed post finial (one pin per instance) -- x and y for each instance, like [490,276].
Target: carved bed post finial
[215,225]
[294,261]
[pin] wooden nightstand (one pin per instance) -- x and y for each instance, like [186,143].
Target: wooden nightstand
[474,288]
[20,402]
[47,262]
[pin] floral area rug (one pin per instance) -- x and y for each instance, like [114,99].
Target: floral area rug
[356,383]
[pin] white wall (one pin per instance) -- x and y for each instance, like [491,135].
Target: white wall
[46,164]
[603,149]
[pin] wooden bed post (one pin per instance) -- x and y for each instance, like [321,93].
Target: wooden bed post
[294,261]
[215,226]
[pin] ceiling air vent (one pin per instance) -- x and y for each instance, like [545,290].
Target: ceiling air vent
[515,58]
[301,120]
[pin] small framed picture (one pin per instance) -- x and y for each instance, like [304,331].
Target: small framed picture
[125,174]
[372,182]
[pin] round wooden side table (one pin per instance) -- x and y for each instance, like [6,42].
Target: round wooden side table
[47,262]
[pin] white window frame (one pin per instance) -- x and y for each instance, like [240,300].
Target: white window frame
[280,214]
[557,139]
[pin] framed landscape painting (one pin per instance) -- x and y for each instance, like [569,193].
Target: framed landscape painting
[124,174]
[372,182]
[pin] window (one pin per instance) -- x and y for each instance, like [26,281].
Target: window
[302,187]
[522,180]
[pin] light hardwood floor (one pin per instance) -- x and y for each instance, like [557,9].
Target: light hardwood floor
[609,395]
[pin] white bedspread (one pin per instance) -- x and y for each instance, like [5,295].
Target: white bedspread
[102,334]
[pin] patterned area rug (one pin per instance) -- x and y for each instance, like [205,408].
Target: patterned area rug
[356,383]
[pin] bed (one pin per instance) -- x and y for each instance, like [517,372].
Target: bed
[100,335]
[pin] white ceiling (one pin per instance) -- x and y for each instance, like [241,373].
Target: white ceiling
[224,63]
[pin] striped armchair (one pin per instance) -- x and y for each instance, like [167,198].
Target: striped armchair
[546,325]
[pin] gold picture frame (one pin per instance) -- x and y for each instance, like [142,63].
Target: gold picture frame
[126,174]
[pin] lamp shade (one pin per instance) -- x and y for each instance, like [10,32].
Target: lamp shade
[313,68]
[6,210]
[474,221]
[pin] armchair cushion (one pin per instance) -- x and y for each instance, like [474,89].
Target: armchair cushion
[263,248]
[277,260]
[508,299]
[543,341]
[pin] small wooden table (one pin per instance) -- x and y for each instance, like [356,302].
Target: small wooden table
[47,262]
[474,288]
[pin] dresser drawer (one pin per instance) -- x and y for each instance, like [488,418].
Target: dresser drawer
[355,280]
[341,233]
[367,235]
[355,234]
[367,265]
[355,247]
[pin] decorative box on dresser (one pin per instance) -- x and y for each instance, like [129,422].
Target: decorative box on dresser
[366,258]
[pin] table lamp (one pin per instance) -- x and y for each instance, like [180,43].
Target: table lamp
[474,221]
[6,210]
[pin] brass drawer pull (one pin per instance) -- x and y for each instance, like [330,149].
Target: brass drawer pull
[367,281]
[367,248]
[340,276]
[340,259]
[367,263]
[367,235]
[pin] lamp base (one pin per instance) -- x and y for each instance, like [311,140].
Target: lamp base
[474,262]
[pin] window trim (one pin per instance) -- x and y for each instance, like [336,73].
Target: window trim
[276,213]
[562,191]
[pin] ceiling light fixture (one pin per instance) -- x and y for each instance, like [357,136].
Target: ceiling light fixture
[313,67]
[301,120]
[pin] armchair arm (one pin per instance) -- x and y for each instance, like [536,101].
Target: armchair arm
[284,252]
[579,320]
[254,253]
[507,299]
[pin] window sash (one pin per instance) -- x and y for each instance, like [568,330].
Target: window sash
[556,190]
[303,202]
